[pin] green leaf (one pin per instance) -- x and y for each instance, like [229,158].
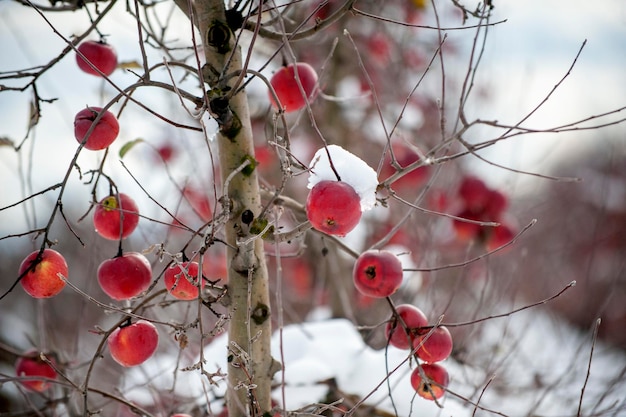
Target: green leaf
[249,169]
[128,145]
[258,225]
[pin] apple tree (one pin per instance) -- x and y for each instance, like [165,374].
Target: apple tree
[201,168]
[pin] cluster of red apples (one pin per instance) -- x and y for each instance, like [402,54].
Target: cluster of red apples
[126,276]
[123,277]
[333,207]
[94,128]
[481,204]
[378,274]
[43,273]
[409,329]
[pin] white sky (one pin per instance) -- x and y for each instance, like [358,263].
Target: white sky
[533,51]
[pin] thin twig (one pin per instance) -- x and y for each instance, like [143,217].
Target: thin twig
[594,339]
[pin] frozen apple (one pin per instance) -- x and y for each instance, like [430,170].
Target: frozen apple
[182,280]
[103,134]
[434,346]
[434,385]
[133,344]
[101,55]
[30,365]
[116,216]
[333,207]
[331,161]
[287,87]
[401,334]
[377,273]
[40,273]
[125,276]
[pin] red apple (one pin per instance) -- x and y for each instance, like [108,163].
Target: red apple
[500,236]
[333,207]
[298,276]
[116,218]
[466,231]
[413,318]
[405,156]
[268,163]
[377,273]
[102,135]
[379,46]
[323,10]
[199,202]
[481,200]
[215,267]
[287,88]
[495,205]
[126,276]
[101,55]
[42,279]
[166,152]
[29,365]
[133,344]
[434,346]
[434,387]
[182,280]
[474,193]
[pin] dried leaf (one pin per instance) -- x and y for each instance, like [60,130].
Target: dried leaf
[128,146]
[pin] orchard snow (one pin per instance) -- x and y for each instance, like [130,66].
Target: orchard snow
[352,170]
[516,352]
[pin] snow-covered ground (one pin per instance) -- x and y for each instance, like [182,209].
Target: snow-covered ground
[528,364]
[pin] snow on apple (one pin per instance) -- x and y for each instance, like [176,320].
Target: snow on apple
[352,170]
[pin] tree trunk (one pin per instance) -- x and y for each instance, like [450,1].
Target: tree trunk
[250,366]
